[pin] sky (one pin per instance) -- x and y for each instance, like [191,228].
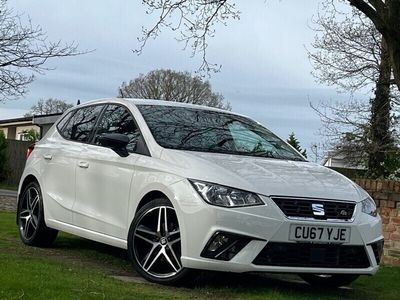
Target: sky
[265,71]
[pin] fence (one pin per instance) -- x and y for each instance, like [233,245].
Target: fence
[387,197]
[16,159]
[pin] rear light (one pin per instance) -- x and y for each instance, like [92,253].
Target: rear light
[29,150]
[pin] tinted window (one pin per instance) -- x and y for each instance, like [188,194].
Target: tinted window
[117,119]
[80,125]
[65,120]
[213,131]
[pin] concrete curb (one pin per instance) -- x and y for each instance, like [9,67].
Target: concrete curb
[8,193]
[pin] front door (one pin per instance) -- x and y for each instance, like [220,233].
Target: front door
[103,178]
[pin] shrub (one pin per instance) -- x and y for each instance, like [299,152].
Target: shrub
[3,157]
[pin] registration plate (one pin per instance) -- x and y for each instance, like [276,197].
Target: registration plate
[325,234]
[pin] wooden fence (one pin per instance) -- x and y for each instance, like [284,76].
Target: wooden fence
[16,152]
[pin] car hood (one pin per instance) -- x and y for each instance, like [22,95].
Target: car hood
[265,176]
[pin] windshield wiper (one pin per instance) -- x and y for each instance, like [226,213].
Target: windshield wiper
[220,143]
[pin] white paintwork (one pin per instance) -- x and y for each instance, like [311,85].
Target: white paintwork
[92,192]
[103,181]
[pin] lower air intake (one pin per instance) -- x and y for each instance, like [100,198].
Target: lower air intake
[312,255]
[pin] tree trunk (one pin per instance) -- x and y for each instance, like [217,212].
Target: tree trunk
[392,35]
[386,17]
[395,59]
[380,117]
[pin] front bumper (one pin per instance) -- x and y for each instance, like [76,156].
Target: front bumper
[264,224]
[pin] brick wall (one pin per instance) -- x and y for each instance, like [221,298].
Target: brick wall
[387,197]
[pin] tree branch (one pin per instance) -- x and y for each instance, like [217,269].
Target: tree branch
[193,21]
[371,12]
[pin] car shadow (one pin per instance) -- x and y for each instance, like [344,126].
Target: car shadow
[85,245]
[281,283]
[119,261]
[91,252]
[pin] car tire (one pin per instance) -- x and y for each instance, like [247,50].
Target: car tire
[154,244]
[329,281]
[30,218]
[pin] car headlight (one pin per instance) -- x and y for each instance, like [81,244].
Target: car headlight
[225,196]
[369,207]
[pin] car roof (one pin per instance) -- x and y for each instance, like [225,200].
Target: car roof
[153,102]
[135,101]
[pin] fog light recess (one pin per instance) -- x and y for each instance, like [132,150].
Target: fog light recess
[377,247]
[224,246]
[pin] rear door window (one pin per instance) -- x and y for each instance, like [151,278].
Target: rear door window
[79,127]
[65,120]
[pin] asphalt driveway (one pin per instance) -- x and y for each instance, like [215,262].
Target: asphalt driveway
[8,200]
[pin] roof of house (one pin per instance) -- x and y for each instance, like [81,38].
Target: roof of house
[28,120]
[16,120]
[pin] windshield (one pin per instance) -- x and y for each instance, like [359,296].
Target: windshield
[213,131]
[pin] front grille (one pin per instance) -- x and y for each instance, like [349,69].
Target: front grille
[312,255]
[302,208]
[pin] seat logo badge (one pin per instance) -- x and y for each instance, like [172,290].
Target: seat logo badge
[318,209]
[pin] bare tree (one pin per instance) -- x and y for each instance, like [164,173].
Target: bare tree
[347,132]
[380,133]
[24,49]
[345,129]
[346,50]
[49,106]
[194,20]
[385,15]
[171,85]
[351,54]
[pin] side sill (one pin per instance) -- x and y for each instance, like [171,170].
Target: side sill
[88,234]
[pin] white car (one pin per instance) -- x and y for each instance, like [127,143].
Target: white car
[185,187]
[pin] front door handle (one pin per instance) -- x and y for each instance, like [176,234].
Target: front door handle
[47,156]
[83,164]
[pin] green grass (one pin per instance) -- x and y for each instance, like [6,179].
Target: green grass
[8,186]
[82,269]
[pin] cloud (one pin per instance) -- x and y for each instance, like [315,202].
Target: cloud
[10,113]
[265,74]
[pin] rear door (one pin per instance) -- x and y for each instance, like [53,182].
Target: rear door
[103,178]
[60,154]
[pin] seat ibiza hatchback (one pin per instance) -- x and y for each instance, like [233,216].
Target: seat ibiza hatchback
[185,187]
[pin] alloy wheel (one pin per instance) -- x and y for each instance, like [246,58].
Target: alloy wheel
[29,213]
[157,242]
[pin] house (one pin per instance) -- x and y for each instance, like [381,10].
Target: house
[14,128]
[335,159]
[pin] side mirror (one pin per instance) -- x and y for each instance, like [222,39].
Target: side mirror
[115,141]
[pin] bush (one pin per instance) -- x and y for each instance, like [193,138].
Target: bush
[3,157]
